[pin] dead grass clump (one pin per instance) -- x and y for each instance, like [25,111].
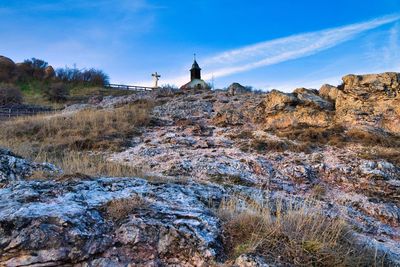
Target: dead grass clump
[373,138]
[339,136]
[297,235]
[84,130]
[245,134]
[118,209]
[90,164]
[267,145]
[391,155]
[333,135]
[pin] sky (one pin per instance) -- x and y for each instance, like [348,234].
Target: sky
[266,44]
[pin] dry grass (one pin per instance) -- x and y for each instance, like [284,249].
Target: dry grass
[340,136]
[373,138]
[334,135]
[84,130]
[118,209]
[294,235]
[391,155]
[272,145]
[77,142]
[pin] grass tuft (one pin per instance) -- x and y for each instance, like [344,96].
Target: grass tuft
[295,234]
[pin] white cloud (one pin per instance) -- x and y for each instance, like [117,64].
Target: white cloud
[283,49]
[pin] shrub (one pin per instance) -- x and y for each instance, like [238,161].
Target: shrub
[93,77]
[35,68]
[10,95]
[56,92]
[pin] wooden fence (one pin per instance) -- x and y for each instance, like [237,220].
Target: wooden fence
[18,112]
[128,87]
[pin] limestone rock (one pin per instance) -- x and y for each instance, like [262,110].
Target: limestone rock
[310,97]
[236,88]
[14,168]
[329,92]
[247,260]
[283,110]
[53,224]
[370,100]
[279,101]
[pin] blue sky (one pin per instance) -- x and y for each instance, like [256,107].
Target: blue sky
[267,44]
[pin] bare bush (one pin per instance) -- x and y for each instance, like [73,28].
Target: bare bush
[35,68]
[56,92]
[93,77]
[10,95]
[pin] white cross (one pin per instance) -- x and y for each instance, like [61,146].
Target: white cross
[156,77]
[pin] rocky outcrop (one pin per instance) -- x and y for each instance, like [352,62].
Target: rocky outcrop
[108,222]
[310,97]
[236,88]
[370,101]
[49,73]
[329,92]
[14,168]
[210,146]
[302,107]
[7,68]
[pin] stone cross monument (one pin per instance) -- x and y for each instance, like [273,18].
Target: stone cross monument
[156,77]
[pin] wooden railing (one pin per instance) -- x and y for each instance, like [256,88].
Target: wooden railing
[128,87]
[6,112]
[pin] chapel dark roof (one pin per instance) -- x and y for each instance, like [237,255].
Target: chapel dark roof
[195,66]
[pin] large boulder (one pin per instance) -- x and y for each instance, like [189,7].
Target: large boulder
[236,88]
[49,72]
[371,100]
[108,222]
[7,68]
[284,110]
[311,97]
[15,168]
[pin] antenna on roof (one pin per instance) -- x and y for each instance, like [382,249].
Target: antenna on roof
[194,56]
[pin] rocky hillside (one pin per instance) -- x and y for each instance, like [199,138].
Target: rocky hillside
[318,170]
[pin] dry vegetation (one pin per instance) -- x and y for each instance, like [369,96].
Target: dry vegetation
[261,145]
[294,235]
[77,141]
[118,209]
[338,135]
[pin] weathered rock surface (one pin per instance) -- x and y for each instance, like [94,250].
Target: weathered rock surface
[303,107]
[52,224]
[370,100]
[14,168]
[329,92]
[237,88]
[210,137]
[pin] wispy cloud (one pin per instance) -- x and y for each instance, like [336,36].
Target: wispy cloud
[283,49]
